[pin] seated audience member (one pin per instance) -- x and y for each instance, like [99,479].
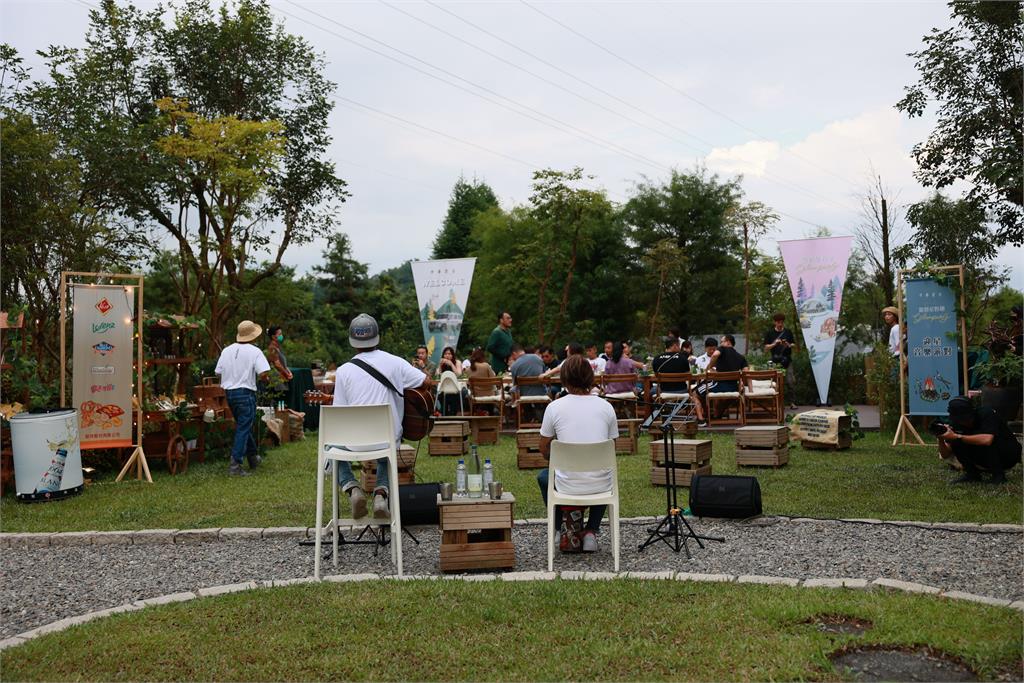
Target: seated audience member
[980,440]
[607,353]
[528,364]
[673,360]
[577,417]
[448,362]
[547,354]
[727,359]
[597,362]
[620,364]
[421,361]
[627,351]
[479,368]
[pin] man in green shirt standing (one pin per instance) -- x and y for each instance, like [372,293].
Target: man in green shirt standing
[500,343]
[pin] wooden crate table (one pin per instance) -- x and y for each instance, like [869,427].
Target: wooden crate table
[476,533]
[626,443]
[762,446]
[528,455]
[484,429]
[692,457]
[406,468]
[449,438]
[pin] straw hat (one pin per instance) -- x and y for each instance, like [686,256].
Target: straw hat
[891,309]
[247,331]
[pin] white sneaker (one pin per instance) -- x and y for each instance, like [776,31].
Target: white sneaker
[380,506]
[589,542]
[357,499]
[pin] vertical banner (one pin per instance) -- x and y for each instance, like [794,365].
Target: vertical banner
[101,369]
[816,269]
[442,288]
[932,349]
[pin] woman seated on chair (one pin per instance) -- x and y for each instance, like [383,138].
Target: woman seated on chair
[621,364]
[448,362]
[577,417]
[479,368]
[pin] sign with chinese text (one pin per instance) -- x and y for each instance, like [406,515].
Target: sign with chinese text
[933,353]
[101,370]
[442,289]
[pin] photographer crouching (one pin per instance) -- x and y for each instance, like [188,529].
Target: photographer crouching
[979,439]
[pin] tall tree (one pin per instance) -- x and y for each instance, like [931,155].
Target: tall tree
[234,204]
[455,238]
[881,230]
[974,73]
[751,221]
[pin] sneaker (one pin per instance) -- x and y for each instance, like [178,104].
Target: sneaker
[380,506]
[235,470]
[999,477]
[254,461]
[589,542]
[967,478]
[357,499]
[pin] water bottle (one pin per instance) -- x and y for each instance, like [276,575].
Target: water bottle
[488,473]
[460,478]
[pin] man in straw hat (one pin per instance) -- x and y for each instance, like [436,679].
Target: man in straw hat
[355,386]
[891,317]
[240,366]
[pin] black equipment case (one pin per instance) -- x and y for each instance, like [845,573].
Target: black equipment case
[722,496]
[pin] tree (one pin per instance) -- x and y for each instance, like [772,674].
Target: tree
[880,232]
[209,124]
[455,238]
[975,73]
[666,262]
[750,221]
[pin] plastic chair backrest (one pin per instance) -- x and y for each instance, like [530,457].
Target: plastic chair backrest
[583,457]
[356,425]
[448,384]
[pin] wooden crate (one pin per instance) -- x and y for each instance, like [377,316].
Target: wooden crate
[684,473]
[476,533]
[477,552]
[686,451]
[528,455]
[761,437]
[449,438]
[627,441]
[406,460]
[368,480]
[845,441]
[762,457]
[487,427]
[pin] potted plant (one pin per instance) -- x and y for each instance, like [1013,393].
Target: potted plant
[1003,373]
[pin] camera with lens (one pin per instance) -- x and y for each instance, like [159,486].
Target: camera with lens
[938,427]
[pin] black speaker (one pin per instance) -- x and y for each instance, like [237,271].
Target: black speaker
[419,503]
[724,496]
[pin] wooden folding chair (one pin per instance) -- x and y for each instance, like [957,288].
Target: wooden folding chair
[763,397]
[487,391]
[539,401]
[731,400]
[623,401]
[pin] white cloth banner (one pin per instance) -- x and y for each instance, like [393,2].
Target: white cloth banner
[816,269]
[442,290]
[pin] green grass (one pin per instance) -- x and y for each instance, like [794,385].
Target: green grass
[873,479]
[559,630]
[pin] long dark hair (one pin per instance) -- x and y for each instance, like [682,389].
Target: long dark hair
[617,352]
[476,357]
[446,350]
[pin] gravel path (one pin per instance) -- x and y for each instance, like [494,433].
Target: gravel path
[41,585]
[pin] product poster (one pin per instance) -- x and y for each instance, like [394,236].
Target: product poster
[442,288]
[933,353]
[102,371]
[816,269]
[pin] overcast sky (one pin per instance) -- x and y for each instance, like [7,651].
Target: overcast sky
[798,97]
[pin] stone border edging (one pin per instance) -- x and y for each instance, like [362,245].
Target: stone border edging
[210,591]
[181,536]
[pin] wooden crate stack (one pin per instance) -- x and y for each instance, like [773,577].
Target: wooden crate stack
[528,450]
[406,468]
[476,534]
[684,426]
[844,439]
[762,446]
[449,438]
[692,457]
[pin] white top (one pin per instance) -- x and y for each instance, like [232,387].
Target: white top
[238,366]
[702,361]
[581,419]
[356,387]
[894,340]
[598,365]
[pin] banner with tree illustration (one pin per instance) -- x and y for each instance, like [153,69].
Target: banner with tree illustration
[932,349]
[816,269]
[442,288]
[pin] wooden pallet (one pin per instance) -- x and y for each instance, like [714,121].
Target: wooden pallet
[762,457]
[686,451]
[761,437]
[528,455]
[844,441]
[684,475]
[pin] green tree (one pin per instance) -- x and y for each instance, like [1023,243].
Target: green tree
[238,176]
[974,71]
[455,238]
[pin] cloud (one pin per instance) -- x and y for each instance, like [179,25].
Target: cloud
[750,158]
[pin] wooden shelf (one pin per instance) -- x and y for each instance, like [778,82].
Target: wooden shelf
[169,361]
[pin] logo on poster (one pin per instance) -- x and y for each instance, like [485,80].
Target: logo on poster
[97,388]
[100,328]
[103,306]
[103,348]
[102,369]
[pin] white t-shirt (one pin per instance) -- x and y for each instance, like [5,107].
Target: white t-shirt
[597,364]
[702,361]
[581,419]
[238,366]
[894,340]
[356,387]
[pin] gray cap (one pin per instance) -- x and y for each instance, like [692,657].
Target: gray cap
[363,332]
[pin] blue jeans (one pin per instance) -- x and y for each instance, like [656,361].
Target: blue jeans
[243,407]
[596,511]
[347,480]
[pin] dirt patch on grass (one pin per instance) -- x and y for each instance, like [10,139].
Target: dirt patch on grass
[839,624]
[894,663]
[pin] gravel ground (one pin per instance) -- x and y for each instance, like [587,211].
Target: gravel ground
[41,585]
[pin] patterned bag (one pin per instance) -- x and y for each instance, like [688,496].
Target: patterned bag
[572,529]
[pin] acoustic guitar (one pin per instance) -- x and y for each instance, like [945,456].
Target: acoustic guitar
[419,410]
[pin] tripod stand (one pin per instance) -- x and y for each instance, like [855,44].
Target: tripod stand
[670,528]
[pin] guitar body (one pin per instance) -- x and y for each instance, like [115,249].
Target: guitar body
[419,410]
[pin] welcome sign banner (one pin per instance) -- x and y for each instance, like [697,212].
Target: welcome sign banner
[932,353]
[442,289]
[101,370]
[816,269]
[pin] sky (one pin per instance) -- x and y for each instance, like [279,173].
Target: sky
[795,96]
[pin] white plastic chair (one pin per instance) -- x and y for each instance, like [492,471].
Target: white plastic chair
[583,457]
[449,384]
[356,427]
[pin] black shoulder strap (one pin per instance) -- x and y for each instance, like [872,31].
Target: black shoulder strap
[375,373]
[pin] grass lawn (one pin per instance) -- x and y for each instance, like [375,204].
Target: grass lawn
[872,479]
[555,630]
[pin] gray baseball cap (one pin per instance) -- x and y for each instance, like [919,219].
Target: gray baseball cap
[363,332]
